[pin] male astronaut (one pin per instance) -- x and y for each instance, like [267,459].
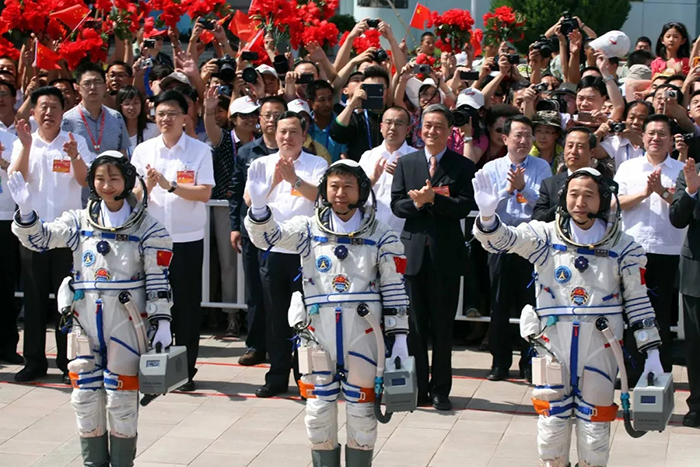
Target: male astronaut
[119,284]
[351,262]
[585,269]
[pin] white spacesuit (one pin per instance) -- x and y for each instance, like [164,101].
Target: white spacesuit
[343,271]
[576,283]
[115,267]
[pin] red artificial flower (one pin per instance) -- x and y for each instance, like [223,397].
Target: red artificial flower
[452,29]
[90,44]
[425,59]
[8,50]
[504,25]
[505,14]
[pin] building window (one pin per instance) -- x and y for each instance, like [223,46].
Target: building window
[382,3]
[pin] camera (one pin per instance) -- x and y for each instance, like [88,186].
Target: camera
[618,127]
[463,115]
[687,137]
[207,24]
[281,65]
[373,23]
[248,56]
[545,46]
[147,63]
[421,69]
[568,24]
[149,43]
[250,75]
[542,87]
[380,55]
[227,68]
[225,90]
[513,59]
[305,78]
[548,104]
[671,94]
[468,75]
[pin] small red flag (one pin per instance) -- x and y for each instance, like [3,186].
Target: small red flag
[400,263]
[45,58]
[71,16]
[420,15]
[242,26]
[642,274]
[206,37]
[163,257]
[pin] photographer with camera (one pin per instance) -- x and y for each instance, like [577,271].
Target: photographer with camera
[295,82]
[667,101]
[623,140]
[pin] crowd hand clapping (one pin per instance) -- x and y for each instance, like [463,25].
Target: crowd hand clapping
[516,179]
[425,195]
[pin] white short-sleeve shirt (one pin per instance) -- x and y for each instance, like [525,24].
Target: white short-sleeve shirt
[648,222]
[284,201]
[189,162]
[51,179]
[382,189]
[7,204]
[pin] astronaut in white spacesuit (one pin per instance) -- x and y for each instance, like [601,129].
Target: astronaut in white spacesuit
[351,263]
[586,271]
[119,285]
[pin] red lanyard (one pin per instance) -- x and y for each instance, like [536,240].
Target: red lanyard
[95,145]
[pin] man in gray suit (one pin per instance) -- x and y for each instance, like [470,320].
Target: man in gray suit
[685,212]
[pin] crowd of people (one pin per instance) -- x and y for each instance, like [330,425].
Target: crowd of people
[193,129]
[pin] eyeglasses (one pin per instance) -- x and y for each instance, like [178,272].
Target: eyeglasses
[168,115]
[92,84]
[253,116]
[271,116]
[396,123]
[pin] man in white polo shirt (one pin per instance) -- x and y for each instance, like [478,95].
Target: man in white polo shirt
[294,176]
[379,163]
[646,187]
[179,177]
[51,161]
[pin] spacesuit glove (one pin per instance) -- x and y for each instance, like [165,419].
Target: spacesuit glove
[653,364]
[485,195]
[258,186]
[400,348]
[163,334]
[19,190]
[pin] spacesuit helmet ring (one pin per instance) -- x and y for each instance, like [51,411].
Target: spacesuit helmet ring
[120,161]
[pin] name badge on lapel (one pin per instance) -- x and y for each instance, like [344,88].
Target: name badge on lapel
[442,190]
[520,198]
[61,166]
[185,177]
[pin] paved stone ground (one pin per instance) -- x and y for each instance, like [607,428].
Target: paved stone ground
[223,424]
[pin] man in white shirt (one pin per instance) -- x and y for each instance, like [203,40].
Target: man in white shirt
[627,144]
[379,163]
[294,176]
[51,161]
[9,255]
[647,185]
[179,178]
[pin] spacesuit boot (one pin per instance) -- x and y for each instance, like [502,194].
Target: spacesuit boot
[95,451]
[123,451]
[357,457]
[561,462]
[326,458]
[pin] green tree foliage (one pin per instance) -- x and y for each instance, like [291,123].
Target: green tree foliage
[599,15]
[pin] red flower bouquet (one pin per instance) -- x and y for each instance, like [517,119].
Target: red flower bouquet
[8,50]
[504,25]
[314,16]
[370,39]
[171,11]
[277,17]
[32,16]
[453,29]
[88,45]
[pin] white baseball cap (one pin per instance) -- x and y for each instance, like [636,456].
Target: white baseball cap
[176,77]
[243,105]
[262,69]
[299,105]
[413,86]
[612,44]
[471,97]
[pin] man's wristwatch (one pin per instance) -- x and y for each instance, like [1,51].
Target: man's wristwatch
[298,183]
[666,194]
[468,139]
[173,186]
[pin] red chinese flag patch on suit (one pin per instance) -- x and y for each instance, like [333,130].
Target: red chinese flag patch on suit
[163,257]
[400,264]
[642,274]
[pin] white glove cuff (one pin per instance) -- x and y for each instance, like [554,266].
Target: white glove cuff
[647,339]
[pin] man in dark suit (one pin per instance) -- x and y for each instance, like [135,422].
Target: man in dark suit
[577,155]
[432,190]
[685,212]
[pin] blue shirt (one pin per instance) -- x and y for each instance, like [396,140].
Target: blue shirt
[323,137]
[516,208]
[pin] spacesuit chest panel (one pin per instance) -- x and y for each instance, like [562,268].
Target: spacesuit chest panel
[106,260]
[578,282]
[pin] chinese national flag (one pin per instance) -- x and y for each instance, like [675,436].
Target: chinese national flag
[71,16]
[45,58]
[206,36]
[242,26]
[163,257]
[257,41]
[420,15]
